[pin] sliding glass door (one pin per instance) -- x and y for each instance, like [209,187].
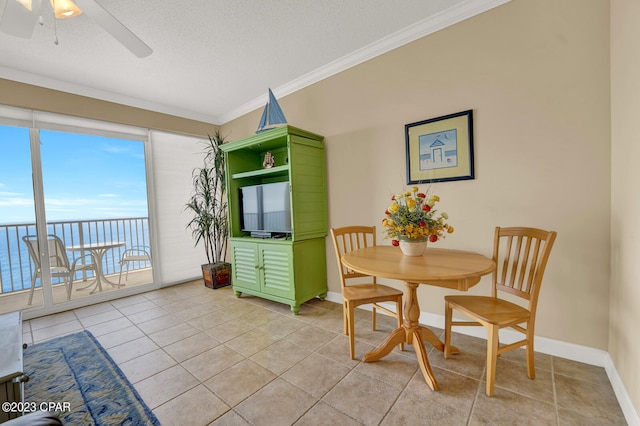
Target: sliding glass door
[85,198]
[17,221]
[95,199]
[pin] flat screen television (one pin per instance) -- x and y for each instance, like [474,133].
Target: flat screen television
[266,210]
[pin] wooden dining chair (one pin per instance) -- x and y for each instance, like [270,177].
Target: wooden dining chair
[345,240]
[521,256]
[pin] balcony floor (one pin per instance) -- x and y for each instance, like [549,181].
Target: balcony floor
[10,302]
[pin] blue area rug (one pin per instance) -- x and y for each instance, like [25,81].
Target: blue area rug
[75,369]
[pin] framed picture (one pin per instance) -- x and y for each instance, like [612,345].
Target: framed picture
[440,149]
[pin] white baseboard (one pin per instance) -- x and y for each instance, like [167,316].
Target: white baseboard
[630,413]
[544,345]
[332,296]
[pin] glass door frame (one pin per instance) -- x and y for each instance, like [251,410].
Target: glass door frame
[36,121]
[41,219]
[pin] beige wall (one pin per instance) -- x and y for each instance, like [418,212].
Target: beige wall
[624,341]
[536,75]
[42,99]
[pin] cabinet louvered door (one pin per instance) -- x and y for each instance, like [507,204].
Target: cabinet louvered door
[246,268]
[276,267]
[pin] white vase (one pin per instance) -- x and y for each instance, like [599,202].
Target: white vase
[413,247]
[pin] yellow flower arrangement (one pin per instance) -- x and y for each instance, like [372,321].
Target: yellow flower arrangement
[411,216]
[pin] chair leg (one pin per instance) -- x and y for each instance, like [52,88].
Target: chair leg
[531,370]
[122,265]
[352,350]
[345,318]
[69,291]
[33,287]
[492,357]
[448,314]
[66,287]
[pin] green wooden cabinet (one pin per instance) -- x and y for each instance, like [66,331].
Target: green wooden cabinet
[289,270]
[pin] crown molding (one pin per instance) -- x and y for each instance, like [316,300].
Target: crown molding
[437,22]
[103,95]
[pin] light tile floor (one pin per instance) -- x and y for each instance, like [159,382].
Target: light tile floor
[199,356]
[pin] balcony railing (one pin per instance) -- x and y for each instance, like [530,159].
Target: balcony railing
[16,267]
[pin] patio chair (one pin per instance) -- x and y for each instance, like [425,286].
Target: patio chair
[133,254]
[60,267]
[521,256]
[352,238]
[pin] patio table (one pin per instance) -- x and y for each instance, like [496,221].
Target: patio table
[98,251]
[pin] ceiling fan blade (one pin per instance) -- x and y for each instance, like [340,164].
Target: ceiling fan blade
[110,24]
[18,20]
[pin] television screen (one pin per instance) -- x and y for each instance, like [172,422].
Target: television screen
[266,208]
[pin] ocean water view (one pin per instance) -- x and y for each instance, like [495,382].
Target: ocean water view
[16,266]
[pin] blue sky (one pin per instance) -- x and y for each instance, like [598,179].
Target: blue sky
[85,177]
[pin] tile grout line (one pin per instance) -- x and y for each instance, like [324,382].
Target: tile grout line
[553,387]
[475,396]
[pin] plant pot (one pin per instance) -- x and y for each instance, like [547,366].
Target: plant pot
[413,247]
[216,275]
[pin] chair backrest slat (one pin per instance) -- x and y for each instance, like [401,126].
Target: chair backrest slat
[351,238]
[515,261]
[505,262]
[522,254]
[523,271]
[532,266]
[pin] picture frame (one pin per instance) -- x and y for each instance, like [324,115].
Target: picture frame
[440,149]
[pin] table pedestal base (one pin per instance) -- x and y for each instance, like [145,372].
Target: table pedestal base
[414,334]
[98,254]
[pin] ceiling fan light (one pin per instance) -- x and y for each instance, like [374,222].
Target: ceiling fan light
[63,9]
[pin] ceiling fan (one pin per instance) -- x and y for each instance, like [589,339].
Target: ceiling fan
[20,17]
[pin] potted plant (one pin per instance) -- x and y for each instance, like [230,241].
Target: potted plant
[208,205]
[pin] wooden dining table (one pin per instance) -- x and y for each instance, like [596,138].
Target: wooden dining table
[454,269]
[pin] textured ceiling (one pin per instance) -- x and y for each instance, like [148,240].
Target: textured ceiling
[213,60]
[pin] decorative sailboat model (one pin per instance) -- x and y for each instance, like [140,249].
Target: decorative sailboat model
[272,116]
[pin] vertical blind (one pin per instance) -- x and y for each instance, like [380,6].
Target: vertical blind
[173,158]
